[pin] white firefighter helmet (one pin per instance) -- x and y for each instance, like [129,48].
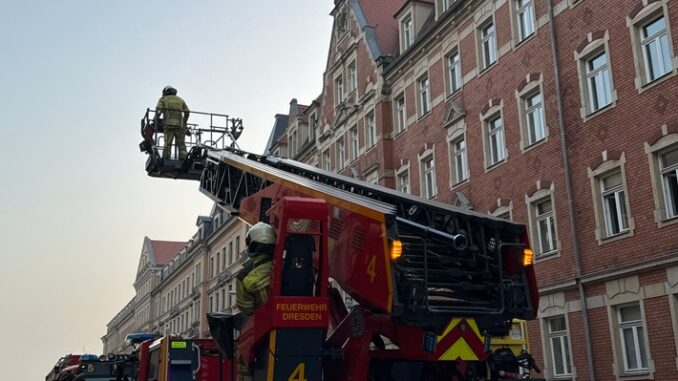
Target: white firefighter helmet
[260,238]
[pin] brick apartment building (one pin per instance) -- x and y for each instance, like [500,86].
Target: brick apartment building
[558,114]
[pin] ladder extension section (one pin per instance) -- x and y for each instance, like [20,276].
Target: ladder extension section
[452,257]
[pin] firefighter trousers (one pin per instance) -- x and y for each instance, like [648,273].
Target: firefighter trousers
[177,136]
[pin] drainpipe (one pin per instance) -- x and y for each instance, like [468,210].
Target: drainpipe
[570,197]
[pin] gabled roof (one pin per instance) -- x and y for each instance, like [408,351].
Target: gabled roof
[155,253]
[279,128]
[383,27]
[162,252]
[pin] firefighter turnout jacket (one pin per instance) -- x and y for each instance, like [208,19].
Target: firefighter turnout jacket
[173,108]
[252,283]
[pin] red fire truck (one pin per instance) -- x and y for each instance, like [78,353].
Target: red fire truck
[433,283]
[154,359]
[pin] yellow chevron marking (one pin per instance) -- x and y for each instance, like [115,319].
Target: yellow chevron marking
[460,350]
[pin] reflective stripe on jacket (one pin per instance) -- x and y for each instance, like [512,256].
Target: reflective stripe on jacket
[252,283]
[173,107]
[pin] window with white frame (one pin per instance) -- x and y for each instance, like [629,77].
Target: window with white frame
[488,44]
[495,150]
[459,160]
[370,130]
[544,225]
[352,77]
[524,18]
[668,165]
[403,181]
[533,112]
[353,138]
[663,159]
[442,6]
[598,82]
[610,203]
[341,154]
[632,338]
[559,347]
[338,90]
[655,45]
[327,165]
[614,203]
[407,30]
[428,176]
[454,80]
[400,113]
[424,88]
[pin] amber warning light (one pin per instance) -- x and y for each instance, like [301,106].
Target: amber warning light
[396,249]
[528,257]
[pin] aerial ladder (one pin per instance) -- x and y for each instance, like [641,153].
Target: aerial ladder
[433,283]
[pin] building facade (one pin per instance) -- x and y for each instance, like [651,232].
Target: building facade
[178,283]
[139,314]
[558,114]
[227,254]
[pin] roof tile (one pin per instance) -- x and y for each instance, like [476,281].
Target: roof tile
[165,251]
[380,15]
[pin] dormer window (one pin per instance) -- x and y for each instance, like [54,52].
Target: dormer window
[411,18]
[407,32]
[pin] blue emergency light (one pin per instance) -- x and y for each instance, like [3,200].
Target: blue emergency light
[140,337]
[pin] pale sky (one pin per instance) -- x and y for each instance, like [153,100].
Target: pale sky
[75,201]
